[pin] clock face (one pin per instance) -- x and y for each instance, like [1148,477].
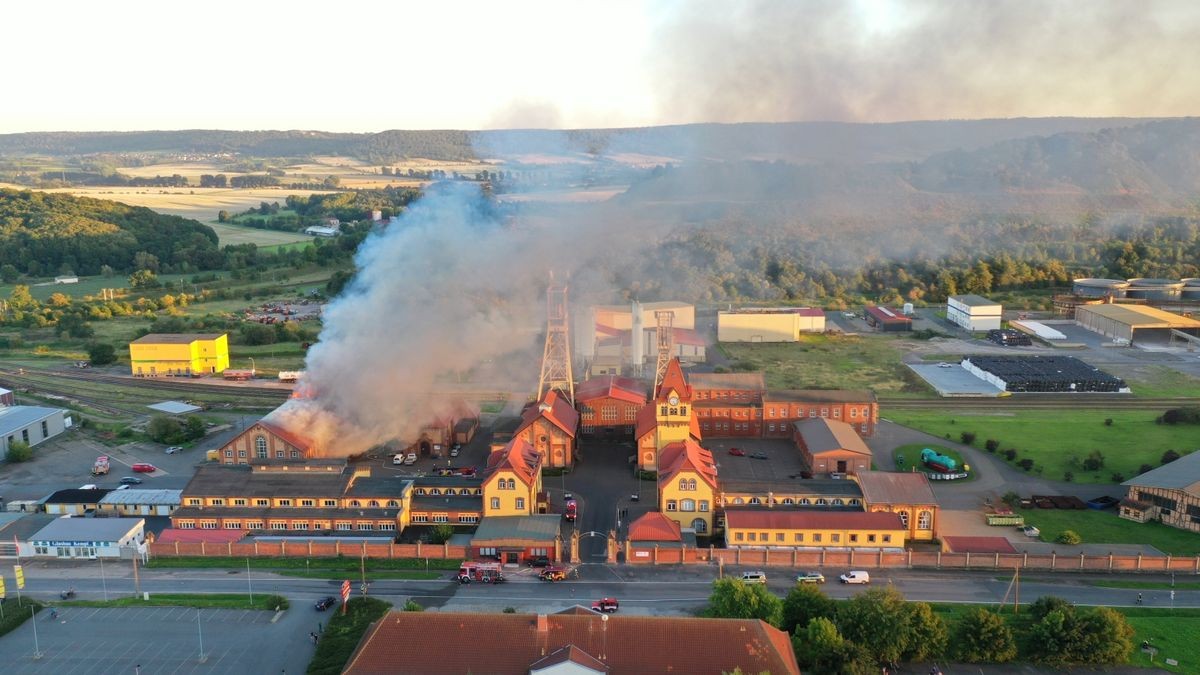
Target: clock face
[674,400]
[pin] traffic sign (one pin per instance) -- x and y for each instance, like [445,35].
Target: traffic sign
[345,590]
[20,576]
[3,592]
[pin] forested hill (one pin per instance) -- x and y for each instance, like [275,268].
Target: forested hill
[796,142]
[46,234]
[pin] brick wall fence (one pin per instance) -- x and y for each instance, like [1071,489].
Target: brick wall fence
[309,549]
[912,559]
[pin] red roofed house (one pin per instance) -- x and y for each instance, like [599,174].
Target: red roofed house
[907,494]
[669,418]
[266,440]
[783,528]
[550,427]
[608,405]
[830,446]
[513,480]
[687,485]
[575,642]
[654,527]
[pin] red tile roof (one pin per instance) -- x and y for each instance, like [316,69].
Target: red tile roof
[888,315]
[172,535]
[445,643]
[978,545]
[520,457]
[572,654]
[778,519]
[647,420]
[684,456]
[674,379]
[611,386]
[554,408]
[654,526]
[886,487]
[298,441]
[688,336]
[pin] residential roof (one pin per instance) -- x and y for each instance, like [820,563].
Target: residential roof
[647,419]
[888,315]
[447,481]
[971,300]
[569,654]
[4,391]
[518,456]
[465,425]
[654,526]
[77,496]
[886,487]
[611,386]
[1182,474]
[673,379]
[22,525]
[172,535]
[175,338]
[509,644]
[506,426]
[13,418]
[817,487]
[87,529]
[820,396]
[218,480]
[387,487]
[287,512]
[530,528]
[680,456]
[292,438]
[555,408]
[978,544]
[822,434]
[137,496]
[1140,316]
[736,381]
[175,407]
[784,519]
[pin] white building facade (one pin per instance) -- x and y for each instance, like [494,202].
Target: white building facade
[973,312]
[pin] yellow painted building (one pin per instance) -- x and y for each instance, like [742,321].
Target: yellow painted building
[165,354]
[905,494]
[667,419]
[778,528]
[687,485]
[513,480]
[784,324]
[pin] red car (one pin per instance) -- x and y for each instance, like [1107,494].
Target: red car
[571,511]
[737,452]
[606,605]
[142,467]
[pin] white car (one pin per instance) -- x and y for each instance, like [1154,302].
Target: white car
[454,451]
[754,577]
[174,449]
[855,577]
[411,458]
[398,459]
[89,486]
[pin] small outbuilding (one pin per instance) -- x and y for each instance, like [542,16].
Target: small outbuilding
[513,539]
[88,538]
[76,501]
[6,397]
[887,320]
[831,446]
[134,502]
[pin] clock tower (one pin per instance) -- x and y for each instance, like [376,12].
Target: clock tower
[673,406]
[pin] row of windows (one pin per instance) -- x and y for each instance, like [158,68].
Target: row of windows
[665,411]
[519,503]
[797,413]
[465,519]
[687,505]
[798,538]
[295,525]
[507,483]
[609,413]
[686,484]
[301,503]
[25,434]
[466,492]
[803,501]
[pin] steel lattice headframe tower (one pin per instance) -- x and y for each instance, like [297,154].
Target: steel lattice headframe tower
[665,335]
[556,357]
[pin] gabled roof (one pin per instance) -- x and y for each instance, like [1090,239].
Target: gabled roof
[611,386]
[1182,474]
[13,418]
[77,496]
[886,487]
[647,420]
[519,457]
[687,455]
[518,528]
[821,434]
[88,529]
[298,441]
[808,519]
[444,643]
[571,654]
[554,408]
[725,381]
[654,526]
[674,379]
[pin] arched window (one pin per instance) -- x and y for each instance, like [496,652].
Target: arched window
[805,501]
[374,504]
[838,502]
[260,447]
[925,521]
[903,518]
[789,500]
[687,505]
[700,526]
[392,503]
[691,483]
[738,500]
[683,484]
[755,500]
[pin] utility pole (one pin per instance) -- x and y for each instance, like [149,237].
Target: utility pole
[249,587]
[103,579]
[137,581]
[200,630]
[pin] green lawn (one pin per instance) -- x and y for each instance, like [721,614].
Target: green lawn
[229,233]
[206,601]
[1160,381]
[41,289]
[343,634]
[831,362]
[1104,527]
[908,456]
[15,615]
[1052,439]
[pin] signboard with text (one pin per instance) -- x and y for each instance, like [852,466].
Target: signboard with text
[20,576]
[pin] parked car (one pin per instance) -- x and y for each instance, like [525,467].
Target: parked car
[397,460]
[754,577]
[553,574]
[855,577]
[142,467]
[410,459]
[131,480]
[945,365]
[123,487]
[571,511]
[468,471]
[810,578]
[443,471]
[174,449]
[455,449]
[538,561]
[758,455]
[1031,531]
[606,605]
[325,603]
[737,452]
[89,486]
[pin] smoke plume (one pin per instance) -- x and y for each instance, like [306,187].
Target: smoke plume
[794,60]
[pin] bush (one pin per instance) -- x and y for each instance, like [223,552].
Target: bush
[1068,476]
[163,429]
[1169,456]
[968,437]
[1069,537]
[1117,477]
[982,636]
[1108,421]
[440,534]
[1011,498]
[991,445]
[1094,461]
[1144,468]
[412,606]
[1048,603]
[804,603]
[1009,454]
[733,599]
[18,452]
[1025,464]
[102,354]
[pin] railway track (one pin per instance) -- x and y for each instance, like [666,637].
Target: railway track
[1037,402]
[265,393]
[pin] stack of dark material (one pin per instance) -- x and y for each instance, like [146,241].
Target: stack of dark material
[1047,374]
[1009,337]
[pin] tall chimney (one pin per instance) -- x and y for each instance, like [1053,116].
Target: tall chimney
[637,340]
[543,624]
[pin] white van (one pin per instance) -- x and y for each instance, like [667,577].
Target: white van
[411,458]
[754,577]
[855,577]
[398,459]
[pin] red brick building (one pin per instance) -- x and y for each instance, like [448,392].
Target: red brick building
[550,427]
[265,440]
[830,446]
[609,405]
[738,405]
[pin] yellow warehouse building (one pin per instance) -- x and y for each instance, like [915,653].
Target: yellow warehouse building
[812,529]
[781,324]
[165,354]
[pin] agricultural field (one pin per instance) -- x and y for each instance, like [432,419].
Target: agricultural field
[830,362]
[232,234]
[1058,443]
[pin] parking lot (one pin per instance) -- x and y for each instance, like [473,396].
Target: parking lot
[783,459]
[148,640]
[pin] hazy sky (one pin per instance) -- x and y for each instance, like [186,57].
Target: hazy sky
[368,66]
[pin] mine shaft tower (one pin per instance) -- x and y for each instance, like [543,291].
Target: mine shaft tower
[556,357]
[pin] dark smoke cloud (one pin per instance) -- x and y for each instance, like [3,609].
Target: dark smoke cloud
[796,60]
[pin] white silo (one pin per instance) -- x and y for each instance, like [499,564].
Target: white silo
[637,340]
